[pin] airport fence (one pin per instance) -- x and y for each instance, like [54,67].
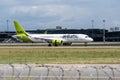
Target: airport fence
[48,72]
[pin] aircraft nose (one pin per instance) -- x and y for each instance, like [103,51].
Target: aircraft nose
[91,40]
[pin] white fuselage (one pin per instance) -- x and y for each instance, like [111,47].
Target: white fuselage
[73,38]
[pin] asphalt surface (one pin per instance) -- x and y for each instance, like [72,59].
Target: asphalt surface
[60,47]
[74,45]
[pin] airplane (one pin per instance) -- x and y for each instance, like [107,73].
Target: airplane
[51,39]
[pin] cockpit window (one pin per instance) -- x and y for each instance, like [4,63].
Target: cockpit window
[86,36]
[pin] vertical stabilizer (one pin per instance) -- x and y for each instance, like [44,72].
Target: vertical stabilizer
[19,28]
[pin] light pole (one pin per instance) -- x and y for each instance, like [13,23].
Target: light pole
[104,31]
[7,25]
[92,27]
[7,28]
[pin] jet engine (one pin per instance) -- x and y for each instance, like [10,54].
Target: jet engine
[56,42]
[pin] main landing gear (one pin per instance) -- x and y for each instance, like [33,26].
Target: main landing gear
[49,44]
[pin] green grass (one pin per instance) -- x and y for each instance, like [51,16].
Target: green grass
[60,55]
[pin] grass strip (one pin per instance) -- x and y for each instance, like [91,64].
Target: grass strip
[60,55]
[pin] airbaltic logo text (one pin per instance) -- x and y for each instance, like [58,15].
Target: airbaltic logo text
[70,36]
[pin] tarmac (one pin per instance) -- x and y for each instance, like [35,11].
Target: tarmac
[74,45]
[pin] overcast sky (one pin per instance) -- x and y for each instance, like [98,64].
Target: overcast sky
[75,14]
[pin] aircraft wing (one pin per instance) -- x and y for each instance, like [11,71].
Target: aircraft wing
[49,40]
[46,39]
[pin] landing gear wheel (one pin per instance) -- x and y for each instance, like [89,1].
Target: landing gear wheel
[49,44]
[86,43]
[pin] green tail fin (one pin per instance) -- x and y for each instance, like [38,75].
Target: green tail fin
[19,28]
[45,32]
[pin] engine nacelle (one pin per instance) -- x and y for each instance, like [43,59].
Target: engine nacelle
[56,42]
